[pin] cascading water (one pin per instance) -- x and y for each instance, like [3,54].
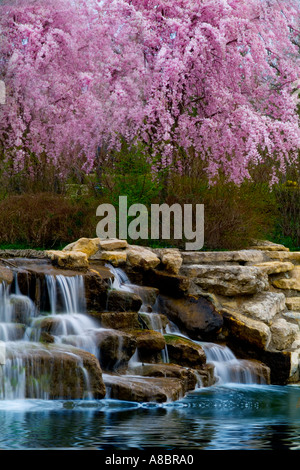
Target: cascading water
[228,369]
[26,372]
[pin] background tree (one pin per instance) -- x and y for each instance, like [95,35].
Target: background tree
[207,81]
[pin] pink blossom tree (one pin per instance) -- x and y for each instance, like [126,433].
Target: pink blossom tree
[212,76]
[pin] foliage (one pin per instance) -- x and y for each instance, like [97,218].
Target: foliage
[287,228]
[214,77]
[45,220]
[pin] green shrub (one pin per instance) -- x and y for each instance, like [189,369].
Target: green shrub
[45,220]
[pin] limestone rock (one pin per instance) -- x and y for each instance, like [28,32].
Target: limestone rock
[57,371]
[290,283]
[141,257]
[266,245]
[89,246]
[119,301]
[292,256]
[68,259]
[185,352]
[6,275]
[97,284]
[188,377]
[263,306]
[274,267]
[115,348]
[219,257]
[116,258]
[149,345]
[283,334]
[143,389]
[246,330]
[171,259]
[293,303]
[174,285]
[111,244]
[228,280]
[195,315]
[118,320]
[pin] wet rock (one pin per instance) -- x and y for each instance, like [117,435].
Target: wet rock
[188,377]
[168,284]
[195,315]
[115,348]
[118,320]
[57,371]
[227,280]
[143,389]
[185,352]
[149,345]
[97,283]
[121,301]
[153,321]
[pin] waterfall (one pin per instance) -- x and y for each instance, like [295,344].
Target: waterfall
[27,366]
[229,369]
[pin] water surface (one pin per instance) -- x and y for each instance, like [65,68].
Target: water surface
[231,417]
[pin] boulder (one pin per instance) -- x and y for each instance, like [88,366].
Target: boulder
[57,371]
[97,283]
[291,282]
[143,389]
[246,331]
[283,334]
[264,306]
[115,348]
[227,280]
[195,315]
[89,246]
[68,259]
[122,301]
[174,285]
[149,344]
[140,257]
[185,352]
[171,259]
[116,258]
